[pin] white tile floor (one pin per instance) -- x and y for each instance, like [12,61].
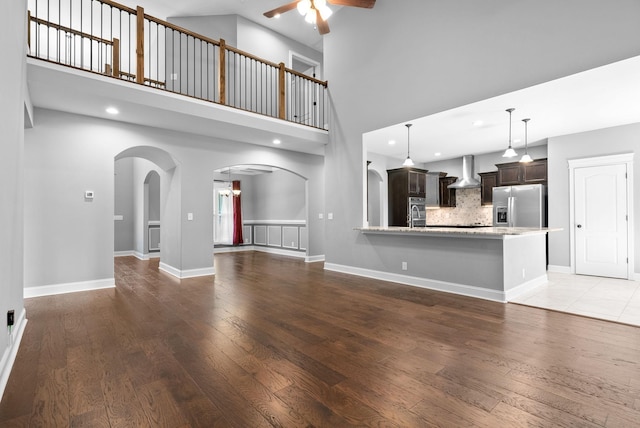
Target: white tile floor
[604,298]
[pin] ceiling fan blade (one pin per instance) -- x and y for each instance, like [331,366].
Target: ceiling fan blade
[282,9]
[354,3]
[323,26]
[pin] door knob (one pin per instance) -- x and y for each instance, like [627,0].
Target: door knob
[579,226]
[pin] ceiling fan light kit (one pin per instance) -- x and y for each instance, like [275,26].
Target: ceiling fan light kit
[317,12]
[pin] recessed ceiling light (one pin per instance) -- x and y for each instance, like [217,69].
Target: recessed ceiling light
[437,154]
[516,140]
[277,15]
[478,123]
[276,142]
[112,110]
[392,142]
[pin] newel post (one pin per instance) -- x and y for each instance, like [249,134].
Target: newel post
[282,108]
[140,45]
[116,58]
[222,74]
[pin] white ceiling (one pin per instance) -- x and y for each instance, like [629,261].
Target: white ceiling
[599,98]
[291,24]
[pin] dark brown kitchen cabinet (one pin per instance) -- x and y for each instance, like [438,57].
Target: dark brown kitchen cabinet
[515,173]
[489,180]
[404,183]
[447,196]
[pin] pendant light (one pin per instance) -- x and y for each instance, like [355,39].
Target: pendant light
[408,161]
[509,153]
[526,158]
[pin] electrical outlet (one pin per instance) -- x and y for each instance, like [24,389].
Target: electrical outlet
[404,265]
[10,318]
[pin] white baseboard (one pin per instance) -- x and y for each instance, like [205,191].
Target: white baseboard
[138,255]
[9,355]
[123,253]
[71,287]
[189,273]
[280,251]
[448,287]
[559,269]
[519,290]
[235,249]
[313,259]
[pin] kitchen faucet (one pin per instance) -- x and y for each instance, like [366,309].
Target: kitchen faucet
[414,207]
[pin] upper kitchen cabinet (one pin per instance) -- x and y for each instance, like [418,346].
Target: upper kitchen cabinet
[447,196]
[407,182]
[514,173]
[489,180]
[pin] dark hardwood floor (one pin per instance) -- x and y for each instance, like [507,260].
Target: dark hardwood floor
[272,341]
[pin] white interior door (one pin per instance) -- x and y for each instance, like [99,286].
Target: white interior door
[600,222]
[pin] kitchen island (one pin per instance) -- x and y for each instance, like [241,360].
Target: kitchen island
[495,263]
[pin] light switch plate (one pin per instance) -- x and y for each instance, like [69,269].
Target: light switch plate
[189,216]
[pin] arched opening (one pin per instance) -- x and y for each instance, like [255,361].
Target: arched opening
[274,209]
[142,178]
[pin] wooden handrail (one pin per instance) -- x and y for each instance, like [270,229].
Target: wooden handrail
[304,76]
[119,6]
[70,30]
[181,30]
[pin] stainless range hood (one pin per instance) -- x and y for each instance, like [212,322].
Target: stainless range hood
[467,181]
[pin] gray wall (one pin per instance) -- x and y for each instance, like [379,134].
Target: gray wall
[391,63]
[279,195]
[67,154]
[12,73]
[123,229]
[622,139]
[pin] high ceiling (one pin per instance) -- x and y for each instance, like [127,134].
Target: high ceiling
[603,97]
[289,24]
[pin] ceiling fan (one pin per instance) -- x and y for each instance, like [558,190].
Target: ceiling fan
[316,11]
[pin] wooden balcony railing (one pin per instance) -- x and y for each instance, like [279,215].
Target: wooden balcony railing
[105,37]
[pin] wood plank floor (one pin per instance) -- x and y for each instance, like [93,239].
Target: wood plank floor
[272,341]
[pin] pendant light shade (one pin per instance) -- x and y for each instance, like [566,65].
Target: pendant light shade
[408,161]
[526,158]
[509,153]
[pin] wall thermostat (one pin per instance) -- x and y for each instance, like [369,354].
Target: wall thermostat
[88,194]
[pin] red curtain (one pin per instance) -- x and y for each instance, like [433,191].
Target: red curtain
[237,213]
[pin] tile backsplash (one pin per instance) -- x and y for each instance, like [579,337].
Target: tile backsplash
[468,210]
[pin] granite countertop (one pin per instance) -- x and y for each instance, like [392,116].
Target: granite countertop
[487,231]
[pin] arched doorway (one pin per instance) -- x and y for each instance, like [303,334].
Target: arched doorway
[274,214]
[142,178]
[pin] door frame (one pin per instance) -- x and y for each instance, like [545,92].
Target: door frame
[625,159]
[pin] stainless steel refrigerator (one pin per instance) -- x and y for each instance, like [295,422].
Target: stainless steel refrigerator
[519,206]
